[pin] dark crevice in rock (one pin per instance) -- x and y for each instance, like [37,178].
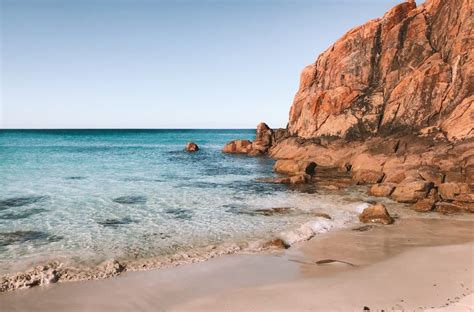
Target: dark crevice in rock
[429,30]
[396,64]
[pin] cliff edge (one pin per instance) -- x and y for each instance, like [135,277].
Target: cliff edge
[409,70]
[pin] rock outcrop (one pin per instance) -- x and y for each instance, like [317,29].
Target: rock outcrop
[265,137]
[389,104]
[410,70]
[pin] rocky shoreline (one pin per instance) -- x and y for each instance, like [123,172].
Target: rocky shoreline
[389,104]
[424,169]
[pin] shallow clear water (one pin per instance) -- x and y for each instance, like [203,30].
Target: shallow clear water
[96,194]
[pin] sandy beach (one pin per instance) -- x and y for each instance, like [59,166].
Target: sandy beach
[415,264]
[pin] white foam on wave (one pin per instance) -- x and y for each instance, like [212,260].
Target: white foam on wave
[345,216]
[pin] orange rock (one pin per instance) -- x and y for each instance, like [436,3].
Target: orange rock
[376,213]
[367,176]
[451,190]
[403,72]
[382,189]
[410,191]
[295,179]
[238,147]
[423,205]
[290,166]
[192,147]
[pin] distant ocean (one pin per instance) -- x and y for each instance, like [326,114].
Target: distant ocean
[89,195]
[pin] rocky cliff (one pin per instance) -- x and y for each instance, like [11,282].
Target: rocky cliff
[390,104]
[409,70]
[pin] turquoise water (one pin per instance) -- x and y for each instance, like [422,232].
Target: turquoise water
[97,194]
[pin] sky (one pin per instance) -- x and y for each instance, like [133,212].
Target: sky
[163,64]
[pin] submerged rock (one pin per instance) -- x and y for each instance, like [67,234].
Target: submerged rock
[192,147]
[376,213]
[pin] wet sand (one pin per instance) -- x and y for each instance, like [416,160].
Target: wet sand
[413,264]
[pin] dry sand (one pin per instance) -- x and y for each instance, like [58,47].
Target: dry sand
[418,264]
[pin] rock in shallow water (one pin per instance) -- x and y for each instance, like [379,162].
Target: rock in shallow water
[130,200]
[376,213]
[21,201]
[238,147]
[192,147]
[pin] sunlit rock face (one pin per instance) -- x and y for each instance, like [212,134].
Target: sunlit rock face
[409,70]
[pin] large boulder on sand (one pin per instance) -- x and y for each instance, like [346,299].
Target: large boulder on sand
[192,147]
[411,191]
[376,213]
[290,166]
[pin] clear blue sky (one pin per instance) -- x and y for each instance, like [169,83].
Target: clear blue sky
[163,64]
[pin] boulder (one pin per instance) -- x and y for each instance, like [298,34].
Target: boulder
[290,166]
[382,189]
[454,176]
[431,174]
[365,176]
[192,147]
[452,190]
[467,206]
[448,208]
[411,191]
[264,134]
[366,161]
[295,179]
[395,177]
[376,213]
[423,205]
[238,147]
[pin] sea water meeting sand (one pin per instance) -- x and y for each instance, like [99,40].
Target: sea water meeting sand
[83,197]
[412,265]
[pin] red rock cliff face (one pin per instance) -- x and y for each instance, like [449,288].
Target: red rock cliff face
[411,69]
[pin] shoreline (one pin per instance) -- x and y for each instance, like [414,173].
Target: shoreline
[57,271]
[385,249]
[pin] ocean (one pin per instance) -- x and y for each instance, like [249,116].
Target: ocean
[91,195]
